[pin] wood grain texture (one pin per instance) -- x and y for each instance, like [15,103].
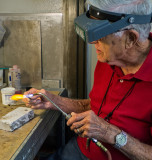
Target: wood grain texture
[10,142]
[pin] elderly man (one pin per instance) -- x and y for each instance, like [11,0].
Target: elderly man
[119,111]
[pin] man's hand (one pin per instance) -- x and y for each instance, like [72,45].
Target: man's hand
[89,125]
[38,101]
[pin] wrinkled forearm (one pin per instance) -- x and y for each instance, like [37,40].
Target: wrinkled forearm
[134,149]
[71,105]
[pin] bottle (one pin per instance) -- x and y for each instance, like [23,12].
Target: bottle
[14,78]
[18,81]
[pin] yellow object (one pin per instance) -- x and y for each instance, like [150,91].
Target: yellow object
[17,97]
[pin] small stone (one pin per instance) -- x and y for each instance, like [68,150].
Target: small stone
[16,118]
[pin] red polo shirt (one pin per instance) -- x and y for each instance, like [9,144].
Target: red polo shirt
[134,115]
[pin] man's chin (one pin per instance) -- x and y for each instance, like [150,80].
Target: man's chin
[101,59]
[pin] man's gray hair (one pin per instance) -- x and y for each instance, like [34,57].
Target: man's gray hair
[138,7]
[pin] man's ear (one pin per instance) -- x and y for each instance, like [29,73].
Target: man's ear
[132,37]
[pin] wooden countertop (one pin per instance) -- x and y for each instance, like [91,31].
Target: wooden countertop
[11,141]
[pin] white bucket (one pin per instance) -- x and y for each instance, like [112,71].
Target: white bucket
[6,95]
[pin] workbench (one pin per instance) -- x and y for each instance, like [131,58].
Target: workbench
[25,142]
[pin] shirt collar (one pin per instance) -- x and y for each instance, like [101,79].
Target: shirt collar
[145,71]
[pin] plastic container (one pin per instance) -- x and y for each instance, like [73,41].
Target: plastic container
[6,95]
[18,81]
[14,78]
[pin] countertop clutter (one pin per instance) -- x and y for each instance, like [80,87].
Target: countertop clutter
[24,142]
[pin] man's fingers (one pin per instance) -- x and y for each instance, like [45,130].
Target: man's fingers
[75,117]
[78,117]
[76,125]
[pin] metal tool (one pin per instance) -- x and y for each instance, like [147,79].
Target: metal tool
[68,116]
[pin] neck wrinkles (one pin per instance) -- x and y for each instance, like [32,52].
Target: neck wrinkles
[142,50]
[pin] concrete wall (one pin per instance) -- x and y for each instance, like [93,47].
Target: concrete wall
[55,59]
[24,20]
[31,6]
